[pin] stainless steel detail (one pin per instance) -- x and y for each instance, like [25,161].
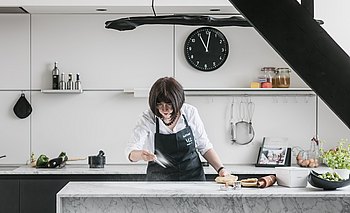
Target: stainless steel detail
[77,84]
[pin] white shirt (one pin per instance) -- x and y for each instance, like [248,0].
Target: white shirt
[143,135]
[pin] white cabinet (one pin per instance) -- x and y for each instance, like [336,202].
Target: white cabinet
[10,3]
[194,6]
[127,6]
[87,6]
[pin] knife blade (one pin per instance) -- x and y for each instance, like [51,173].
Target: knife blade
[159,163]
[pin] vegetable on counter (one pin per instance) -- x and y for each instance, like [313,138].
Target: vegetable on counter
[64,156]
[45,162]
[42,161]
[330,176]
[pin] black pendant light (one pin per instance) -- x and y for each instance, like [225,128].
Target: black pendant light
[131,23]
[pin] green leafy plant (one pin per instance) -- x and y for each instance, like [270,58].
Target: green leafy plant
[338,157]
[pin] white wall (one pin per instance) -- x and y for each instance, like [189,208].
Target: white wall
[108,60]
[15,74]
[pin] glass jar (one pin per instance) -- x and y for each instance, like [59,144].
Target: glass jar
[282,78]
[266,79]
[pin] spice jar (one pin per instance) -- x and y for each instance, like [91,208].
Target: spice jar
[266,78]
[282,78]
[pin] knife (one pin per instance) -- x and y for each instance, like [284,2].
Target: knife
[160,163]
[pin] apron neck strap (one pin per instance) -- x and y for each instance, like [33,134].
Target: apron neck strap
[185,119]
[157,125]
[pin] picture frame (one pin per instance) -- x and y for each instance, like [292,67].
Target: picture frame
[274,152]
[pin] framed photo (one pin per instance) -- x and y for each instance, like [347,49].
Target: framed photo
[274,152]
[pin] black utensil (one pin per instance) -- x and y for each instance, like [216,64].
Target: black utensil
[22,108]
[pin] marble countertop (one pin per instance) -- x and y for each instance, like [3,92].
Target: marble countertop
[187,189]
[131,169]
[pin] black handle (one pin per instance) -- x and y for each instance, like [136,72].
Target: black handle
[100,153]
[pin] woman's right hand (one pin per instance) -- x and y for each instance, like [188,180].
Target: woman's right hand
[147,156]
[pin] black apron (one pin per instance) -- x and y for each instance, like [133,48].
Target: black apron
[179,149]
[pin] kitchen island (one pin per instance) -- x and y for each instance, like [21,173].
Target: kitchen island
[23,185]
[195,197]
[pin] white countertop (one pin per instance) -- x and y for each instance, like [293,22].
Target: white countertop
[187,189]
[130,169]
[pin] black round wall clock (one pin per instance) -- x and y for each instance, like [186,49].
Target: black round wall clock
[206,49]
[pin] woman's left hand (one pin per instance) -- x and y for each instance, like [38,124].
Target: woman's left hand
[223,172]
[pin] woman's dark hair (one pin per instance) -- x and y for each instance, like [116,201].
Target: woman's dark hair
[166,90]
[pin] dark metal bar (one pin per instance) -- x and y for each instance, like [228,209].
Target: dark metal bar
[305,46]
[309,6]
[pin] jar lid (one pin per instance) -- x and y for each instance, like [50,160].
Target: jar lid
[283,69]
[268,69]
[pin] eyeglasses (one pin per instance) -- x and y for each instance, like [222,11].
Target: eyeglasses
[163,105]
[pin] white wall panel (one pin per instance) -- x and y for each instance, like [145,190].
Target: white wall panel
[331,128]
[14,51]
[291,117]
[82,124]
[248,53]
[14,132]
[104,58]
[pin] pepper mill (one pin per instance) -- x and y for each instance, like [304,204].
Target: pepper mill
[70,84]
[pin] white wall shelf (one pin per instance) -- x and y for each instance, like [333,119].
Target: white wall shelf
[87,7]
[52,91]
[143,92]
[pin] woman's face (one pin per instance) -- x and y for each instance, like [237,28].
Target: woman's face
[165,109]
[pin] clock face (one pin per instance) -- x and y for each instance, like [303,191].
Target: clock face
[206,49]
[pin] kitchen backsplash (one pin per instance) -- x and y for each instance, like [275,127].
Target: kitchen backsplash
[103,116]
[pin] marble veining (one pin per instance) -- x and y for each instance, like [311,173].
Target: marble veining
[203,205]
[107,197]
[187,189]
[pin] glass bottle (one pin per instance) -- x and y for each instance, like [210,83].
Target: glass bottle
[55,77]
[62,82]
[282,77]
[314,153]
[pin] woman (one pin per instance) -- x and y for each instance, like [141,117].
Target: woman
[172,129]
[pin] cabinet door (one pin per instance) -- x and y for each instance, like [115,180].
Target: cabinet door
[39,195]
[9,196]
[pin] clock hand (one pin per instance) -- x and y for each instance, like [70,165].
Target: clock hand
[206,48]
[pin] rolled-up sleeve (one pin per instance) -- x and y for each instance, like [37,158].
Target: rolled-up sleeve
[140,137]
[203,143]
